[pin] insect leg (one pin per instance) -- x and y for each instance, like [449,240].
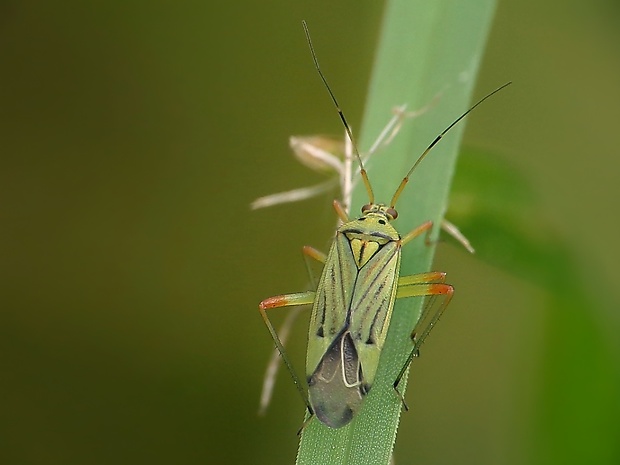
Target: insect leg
[451,229]
[404,282]
[423,228]
[341,211]
[429,284]
[284,331]
[271,372]
[311,252]
[446,226]
[287,300]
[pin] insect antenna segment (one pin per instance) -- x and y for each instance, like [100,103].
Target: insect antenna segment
[405,180]
[347,128]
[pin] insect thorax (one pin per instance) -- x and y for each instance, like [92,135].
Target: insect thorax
[367,234]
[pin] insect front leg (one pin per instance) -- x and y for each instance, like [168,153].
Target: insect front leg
[451,229]
[446,226]
[422,229]
[431,284]
[341,211]
[286,300]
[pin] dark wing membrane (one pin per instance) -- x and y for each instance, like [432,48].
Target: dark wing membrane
[336,388]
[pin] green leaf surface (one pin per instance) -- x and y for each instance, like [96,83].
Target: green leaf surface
[426,50]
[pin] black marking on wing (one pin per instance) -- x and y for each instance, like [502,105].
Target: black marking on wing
[361,252]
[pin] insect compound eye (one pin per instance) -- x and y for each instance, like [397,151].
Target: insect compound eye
[366,208]
[392,212]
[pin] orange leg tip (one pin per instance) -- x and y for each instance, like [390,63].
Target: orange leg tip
[442,274]
[273,302]
[440,288]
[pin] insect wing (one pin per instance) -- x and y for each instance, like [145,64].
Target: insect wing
[372,305]
[332,301]
[349,322]
[336,388]
[332,365]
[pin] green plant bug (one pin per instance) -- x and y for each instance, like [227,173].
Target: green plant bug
[353,302]
[333,157]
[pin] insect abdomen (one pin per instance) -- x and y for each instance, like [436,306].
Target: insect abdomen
[336,388]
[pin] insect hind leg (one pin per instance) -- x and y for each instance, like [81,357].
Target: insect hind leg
[287,300]
[309,253]
[431,284]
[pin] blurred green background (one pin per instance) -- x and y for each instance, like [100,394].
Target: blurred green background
[133,137]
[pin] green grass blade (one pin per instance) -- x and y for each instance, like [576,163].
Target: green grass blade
[426,49]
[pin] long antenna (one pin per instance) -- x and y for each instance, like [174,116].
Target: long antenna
[405,180]
[363,173]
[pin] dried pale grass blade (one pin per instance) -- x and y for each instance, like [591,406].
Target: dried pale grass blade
[294,195]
